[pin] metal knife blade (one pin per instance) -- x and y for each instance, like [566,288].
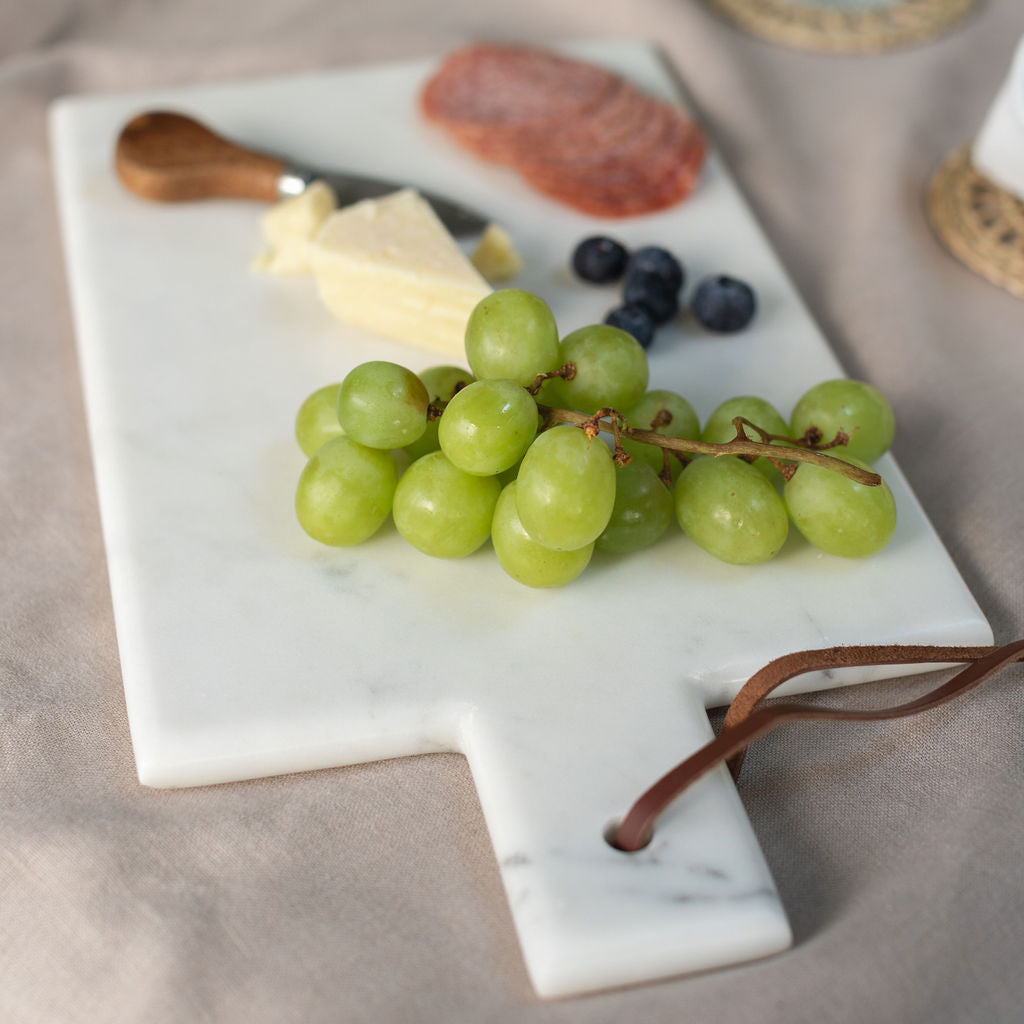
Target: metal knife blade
[459,219]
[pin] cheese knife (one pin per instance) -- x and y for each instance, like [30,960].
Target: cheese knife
[171,157]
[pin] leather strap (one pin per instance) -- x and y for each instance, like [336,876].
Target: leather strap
[748,718]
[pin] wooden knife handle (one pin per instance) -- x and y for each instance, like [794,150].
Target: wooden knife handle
[171,157]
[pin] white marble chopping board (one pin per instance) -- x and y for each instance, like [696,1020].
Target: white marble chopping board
[248,650]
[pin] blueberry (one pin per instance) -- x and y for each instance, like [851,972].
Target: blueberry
[650,290]
[599,259]
[723,304]
[633,320]
[653,259]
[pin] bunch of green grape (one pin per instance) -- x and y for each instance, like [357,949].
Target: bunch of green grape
[483,463]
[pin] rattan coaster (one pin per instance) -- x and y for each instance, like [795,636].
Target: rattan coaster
[979,222]
[845,27]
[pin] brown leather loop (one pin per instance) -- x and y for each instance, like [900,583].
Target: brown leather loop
[747,718]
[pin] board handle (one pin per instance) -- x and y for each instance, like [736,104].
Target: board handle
[170,157]
[552,787]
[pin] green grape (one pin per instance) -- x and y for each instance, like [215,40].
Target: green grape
[317,419]
[444,382]
[719,428]
[550,393]
[523,558]
[443,511]
[441,382]
[730,510]
[511,335]
[611,369]
[345,492]
[566,488]
[506,476]
[837,514]
[383,405]
[642,510]
[859,409]
[487,426]
[683,422]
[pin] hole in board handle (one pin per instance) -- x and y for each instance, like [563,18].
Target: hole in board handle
[611,837]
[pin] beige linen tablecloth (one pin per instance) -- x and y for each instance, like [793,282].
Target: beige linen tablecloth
[371,893]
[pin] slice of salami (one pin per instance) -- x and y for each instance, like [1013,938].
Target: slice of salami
[648,139]
[643,192]
[608,117]
[622,122]
[578,133]
[490,85]
[652,158]
[642,185]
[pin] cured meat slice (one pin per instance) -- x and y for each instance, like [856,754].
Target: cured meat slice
[650,156]
[642,192]
[610,115]
[490,86]
[623,121]
[576,132]
[651,140]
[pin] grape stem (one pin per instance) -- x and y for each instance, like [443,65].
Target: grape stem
[566,371]
[802,450]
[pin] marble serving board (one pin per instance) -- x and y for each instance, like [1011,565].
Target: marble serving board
[248,650]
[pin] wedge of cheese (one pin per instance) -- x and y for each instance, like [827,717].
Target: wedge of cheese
[389,265]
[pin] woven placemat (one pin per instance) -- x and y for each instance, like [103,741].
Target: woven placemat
[979,222]
[840,28]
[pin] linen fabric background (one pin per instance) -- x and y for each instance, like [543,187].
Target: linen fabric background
[371,893]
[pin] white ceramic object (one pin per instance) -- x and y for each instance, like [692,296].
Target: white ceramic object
[998,149]
[247,650]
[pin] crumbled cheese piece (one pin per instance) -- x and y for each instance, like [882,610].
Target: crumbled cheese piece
[289,226]
[495,256]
